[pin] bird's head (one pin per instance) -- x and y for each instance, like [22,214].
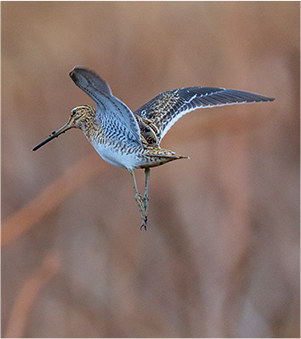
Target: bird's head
[79,115]
[77,119]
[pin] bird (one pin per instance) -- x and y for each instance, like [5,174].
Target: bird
[131,140]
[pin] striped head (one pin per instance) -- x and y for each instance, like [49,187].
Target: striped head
[80,115]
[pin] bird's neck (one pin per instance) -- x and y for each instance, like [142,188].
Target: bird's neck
[89,125]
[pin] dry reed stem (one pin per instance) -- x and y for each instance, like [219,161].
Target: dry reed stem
[50,198]
[21,308]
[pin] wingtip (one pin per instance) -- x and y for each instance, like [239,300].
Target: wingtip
[76,69]
[267,99]
[72,72]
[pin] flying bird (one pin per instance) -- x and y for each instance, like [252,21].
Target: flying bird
[132,139]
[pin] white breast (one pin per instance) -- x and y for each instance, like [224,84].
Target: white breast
[116,157]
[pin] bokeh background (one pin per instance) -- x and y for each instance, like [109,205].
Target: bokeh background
[221,255]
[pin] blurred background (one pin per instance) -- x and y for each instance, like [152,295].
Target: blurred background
[221,254]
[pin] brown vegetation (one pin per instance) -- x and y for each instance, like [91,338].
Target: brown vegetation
[221,254]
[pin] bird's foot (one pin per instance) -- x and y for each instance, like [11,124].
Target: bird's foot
[143,220]
[143,208]
[145,200]
[143,224]
[140,202]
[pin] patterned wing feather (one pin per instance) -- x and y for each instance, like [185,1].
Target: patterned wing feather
[116,118]
[167,107]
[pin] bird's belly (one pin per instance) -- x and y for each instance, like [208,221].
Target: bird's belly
[132,156]
[116,156]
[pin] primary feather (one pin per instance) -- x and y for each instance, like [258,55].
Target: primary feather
[168,107]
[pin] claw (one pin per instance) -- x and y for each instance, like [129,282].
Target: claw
[143,225]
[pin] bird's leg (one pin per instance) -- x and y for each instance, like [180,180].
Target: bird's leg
[145,196]
[140,202]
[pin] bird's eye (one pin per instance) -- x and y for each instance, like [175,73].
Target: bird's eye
[73,112]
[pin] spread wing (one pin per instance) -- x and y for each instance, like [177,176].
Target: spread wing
[116,118]
[168,107]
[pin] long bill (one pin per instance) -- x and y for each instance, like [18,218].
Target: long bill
[54,134]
